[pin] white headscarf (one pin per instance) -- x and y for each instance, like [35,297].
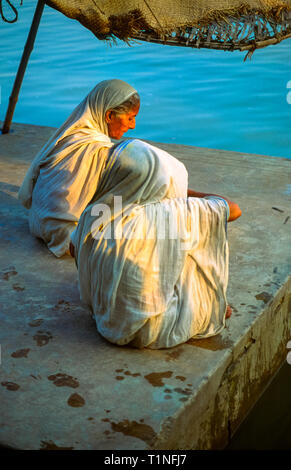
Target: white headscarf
[86,125]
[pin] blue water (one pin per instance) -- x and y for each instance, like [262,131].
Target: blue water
[196,97]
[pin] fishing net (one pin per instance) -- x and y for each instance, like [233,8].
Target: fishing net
[214,24]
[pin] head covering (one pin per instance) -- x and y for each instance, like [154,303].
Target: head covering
[86,125]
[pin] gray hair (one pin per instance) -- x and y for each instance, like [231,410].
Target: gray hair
[132,102]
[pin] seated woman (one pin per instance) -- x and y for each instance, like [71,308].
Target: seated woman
[152,262]
[63,176]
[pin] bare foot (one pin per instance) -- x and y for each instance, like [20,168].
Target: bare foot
[228,311]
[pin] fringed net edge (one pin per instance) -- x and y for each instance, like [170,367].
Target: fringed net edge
[246,32]
[243,29]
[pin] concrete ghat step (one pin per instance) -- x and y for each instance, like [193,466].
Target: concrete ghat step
[63,386]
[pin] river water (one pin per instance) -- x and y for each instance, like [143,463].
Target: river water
[267,427]
[195,97]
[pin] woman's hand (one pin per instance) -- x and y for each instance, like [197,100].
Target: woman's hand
[234,209]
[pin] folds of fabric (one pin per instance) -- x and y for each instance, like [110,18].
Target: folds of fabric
[153,267]
[64,175]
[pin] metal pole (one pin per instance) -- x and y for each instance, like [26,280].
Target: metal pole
[22,66]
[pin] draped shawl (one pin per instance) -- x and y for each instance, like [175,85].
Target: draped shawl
[63,176]
[152,263]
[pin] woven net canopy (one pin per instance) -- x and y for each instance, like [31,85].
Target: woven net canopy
[215,24]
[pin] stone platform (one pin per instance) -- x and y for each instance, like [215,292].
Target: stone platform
[63,387]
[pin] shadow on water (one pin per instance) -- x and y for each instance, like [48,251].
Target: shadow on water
[268,426]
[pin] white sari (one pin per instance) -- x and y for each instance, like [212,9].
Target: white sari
[154,269]
[62,178]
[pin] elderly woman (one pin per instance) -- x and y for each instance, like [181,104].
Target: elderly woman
[63,177]
[152,262]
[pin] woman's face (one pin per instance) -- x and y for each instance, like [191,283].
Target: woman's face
[118,124]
